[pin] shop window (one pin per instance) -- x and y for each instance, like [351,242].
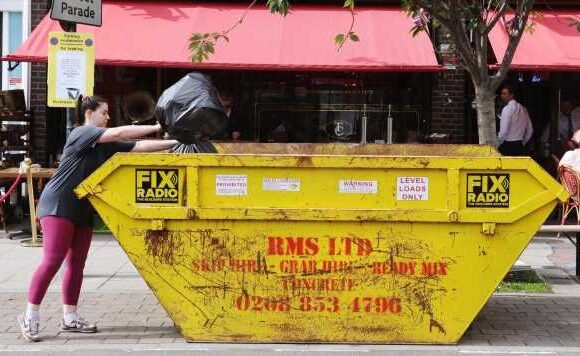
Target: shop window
[333,107]
[11,38]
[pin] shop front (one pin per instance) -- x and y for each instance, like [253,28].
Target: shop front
[285,77]
[546,72]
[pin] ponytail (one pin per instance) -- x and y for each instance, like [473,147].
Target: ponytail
[84,103]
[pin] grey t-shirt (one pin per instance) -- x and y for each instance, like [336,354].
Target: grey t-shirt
[82,155]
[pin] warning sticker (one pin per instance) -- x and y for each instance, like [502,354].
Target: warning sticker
[412,188]
[358,186]
[231,184]
[488,190]
[281,184]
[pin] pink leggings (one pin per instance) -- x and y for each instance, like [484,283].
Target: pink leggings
[61,239]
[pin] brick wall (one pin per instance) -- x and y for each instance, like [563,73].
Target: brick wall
[38,91]
[448,101]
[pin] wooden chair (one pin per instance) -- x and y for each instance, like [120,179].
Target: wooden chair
[570,179]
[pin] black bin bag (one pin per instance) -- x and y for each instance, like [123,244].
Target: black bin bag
[190,110]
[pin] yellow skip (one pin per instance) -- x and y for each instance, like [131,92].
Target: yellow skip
[353,247]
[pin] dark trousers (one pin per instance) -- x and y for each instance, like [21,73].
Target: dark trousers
[512,148]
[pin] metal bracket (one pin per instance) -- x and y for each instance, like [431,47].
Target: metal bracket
[157,225]
[453,216]
[488,229]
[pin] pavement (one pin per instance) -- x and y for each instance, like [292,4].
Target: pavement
[131,320]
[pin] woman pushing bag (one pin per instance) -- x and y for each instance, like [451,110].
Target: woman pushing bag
[66,220]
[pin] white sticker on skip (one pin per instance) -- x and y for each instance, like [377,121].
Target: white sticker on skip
[281,184]
[231,184]
[358,186]
[412,188]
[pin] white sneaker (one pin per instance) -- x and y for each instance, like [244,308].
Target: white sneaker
[79,325]
[29,328]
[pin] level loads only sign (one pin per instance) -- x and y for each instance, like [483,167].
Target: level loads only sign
[488,190]
[71,67]
[412,188]
[87,12]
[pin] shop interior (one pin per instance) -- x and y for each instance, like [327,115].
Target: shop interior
[297,107]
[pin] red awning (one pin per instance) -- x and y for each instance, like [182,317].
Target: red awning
[156,35]
[553,44]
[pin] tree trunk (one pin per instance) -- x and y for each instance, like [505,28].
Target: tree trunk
[485,100]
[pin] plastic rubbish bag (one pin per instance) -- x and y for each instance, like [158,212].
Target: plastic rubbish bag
[200,147]
[190,110]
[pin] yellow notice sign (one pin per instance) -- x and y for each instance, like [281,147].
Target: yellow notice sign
[71,67]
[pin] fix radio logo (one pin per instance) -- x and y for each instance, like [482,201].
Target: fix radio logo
[488,190]
[156,186]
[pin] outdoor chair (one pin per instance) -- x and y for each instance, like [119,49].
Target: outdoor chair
[570,179]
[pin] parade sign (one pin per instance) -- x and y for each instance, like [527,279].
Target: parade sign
[71,66]
[87,12]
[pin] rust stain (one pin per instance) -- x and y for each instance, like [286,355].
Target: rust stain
[355,149]
[435,324]
[192,214]
[283,214]
[304,161]
[163,245]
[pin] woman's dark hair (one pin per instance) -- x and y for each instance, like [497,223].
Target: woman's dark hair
[85,103]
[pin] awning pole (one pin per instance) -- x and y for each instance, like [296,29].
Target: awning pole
[389,127]
[363,138]
[70,112]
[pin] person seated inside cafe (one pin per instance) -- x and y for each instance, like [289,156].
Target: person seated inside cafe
[572,157]
[233,130]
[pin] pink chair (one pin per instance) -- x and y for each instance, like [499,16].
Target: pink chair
[570,179]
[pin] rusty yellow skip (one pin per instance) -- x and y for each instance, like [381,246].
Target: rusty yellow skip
[323,243]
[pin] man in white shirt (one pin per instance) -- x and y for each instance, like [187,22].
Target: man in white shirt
[572,158]
[515,128]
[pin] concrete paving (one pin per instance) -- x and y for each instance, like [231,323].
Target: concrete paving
[131,320]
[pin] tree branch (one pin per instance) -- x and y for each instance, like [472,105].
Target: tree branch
[241,19]
[498,15]
[202,44]
[342,38]
[521,19]
[461,39]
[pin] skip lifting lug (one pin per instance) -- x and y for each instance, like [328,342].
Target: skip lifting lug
[488,229]
[157,225]
[453,216]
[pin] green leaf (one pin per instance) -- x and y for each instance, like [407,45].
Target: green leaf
[349,4]
[279,6]
[353,37]
[339,39]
